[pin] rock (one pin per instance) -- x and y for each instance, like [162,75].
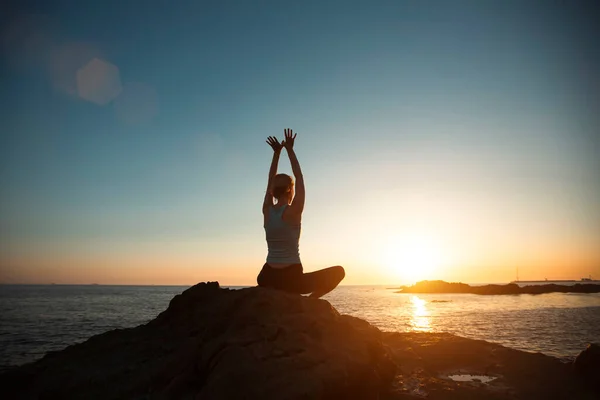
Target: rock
[587,365]
[214,343]
[428,360]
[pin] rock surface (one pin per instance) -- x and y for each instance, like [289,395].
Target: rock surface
[214,343]
[510,288]
[427,361]
[587,366]
[255,343]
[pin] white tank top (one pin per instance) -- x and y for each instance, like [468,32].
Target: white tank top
[283,238]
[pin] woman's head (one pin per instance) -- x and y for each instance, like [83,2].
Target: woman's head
[283,186]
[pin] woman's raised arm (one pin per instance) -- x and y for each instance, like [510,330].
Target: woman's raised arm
[298,203]
[274,143]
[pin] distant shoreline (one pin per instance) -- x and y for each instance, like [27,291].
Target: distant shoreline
[424,287]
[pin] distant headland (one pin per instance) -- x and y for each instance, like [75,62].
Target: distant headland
[511,288]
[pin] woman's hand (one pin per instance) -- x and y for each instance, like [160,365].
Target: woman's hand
[288,142]
[274,143]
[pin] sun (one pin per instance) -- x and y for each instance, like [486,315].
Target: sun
[413,258]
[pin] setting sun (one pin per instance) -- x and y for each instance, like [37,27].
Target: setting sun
[413,258]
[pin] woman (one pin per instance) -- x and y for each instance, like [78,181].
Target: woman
[283,269]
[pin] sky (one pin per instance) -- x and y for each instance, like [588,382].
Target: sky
[455,140]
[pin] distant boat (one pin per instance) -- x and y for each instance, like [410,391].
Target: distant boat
[585,280]
[547,281]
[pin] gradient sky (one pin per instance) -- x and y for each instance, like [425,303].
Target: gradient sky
[439,139]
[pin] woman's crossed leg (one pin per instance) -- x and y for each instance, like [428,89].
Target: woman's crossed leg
[319,283]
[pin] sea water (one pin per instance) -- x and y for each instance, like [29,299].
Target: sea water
[35,319]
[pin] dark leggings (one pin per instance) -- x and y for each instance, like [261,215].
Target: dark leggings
[292,279]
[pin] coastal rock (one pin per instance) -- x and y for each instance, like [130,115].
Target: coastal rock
[587,365]
[429,363]
[214,343]
[254,343]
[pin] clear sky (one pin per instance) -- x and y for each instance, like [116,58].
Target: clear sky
[456,140]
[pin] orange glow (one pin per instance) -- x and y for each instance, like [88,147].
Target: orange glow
[420,315]
[413,258]
[393,259]
[122,270]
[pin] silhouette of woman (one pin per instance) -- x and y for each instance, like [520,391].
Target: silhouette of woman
[282,220]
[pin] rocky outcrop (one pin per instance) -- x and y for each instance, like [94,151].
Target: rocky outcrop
[587,366]
[428,363]
[214,343]
[511,288]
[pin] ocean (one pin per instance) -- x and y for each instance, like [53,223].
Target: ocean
[35,319]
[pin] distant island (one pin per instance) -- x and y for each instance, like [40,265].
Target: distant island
[510,288]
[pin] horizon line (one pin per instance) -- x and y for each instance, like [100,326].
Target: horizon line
[392,285]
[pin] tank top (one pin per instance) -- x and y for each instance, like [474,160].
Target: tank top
[283,238]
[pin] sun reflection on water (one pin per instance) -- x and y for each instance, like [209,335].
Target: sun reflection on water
[420,315]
